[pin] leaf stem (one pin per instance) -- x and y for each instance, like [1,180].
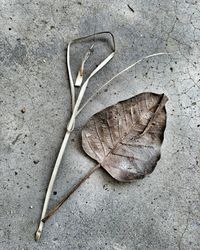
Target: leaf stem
[71,191]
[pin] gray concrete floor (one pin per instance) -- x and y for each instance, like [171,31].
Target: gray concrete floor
[161,211]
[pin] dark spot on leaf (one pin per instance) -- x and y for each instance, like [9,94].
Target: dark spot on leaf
[171,69]
[16,173]
[36,161]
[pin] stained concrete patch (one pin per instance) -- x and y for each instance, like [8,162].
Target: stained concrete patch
[159,212]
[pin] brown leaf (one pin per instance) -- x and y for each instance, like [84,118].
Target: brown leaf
[126,138]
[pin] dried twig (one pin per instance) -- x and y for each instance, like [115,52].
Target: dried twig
[70,126]
[118,74]
[79,78]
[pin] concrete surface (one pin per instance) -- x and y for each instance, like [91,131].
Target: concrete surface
[161,211]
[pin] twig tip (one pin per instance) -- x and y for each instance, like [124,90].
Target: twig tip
[37,235]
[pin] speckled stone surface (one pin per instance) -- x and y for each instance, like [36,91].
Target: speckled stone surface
[159,212]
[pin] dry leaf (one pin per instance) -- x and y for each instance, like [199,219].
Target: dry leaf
[125,139]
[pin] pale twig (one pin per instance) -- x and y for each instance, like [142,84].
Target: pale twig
[118,74]
[71,124]
[79,77]
[71,82]
[72,89]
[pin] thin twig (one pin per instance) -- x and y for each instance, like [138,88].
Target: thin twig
[50,186]
[71,82]
[71,124]
[79,77]
[118,74]
[72,89]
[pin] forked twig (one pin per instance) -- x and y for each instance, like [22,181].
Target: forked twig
[70,126]
[118,74]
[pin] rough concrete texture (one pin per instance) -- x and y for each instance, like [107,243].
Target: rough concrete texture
[161,211]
